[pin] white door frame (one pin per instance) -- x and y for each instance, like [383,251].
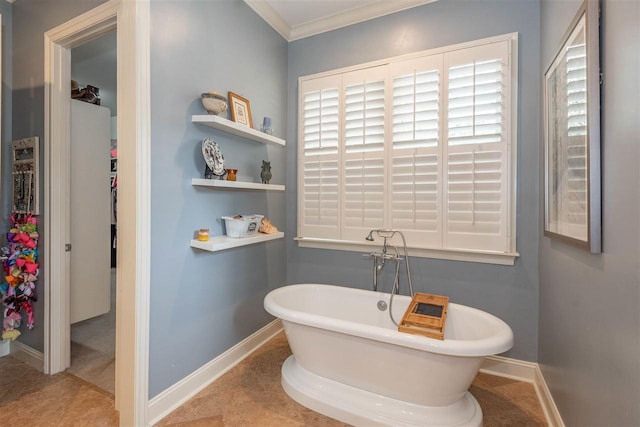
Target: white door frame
[130,18]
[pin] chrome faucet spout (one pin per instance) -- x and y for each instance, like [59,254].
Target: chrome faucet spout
[387,234]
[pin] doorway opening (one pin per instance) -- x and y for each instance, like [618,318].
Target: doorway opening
[93,210]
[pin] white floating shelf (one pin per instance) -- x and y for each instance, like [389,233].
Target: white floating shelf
[237,129]
[237,185]
[220,243]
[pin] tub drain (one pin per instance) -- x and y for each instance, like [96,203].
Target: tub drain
[382,306]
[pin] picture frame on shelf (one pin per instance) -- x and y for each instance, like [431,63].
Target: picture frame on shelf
[240,109]
[572,190]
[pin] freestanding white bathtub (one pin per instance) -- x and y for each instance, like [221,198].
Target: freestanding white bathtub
[350,362]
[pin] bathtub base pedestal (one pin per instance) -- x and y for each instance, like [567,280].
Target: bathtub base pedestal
[359,407]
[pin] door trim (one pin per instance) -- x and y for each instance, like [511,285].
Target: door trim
[131,20]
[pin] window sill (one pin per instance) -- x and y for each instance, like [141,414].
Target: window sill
[485,257]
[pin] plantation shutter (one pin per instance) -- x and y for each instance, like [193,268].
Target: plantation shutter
[363,152]
[319,174]
[477,148]
[414,199]
[423,144]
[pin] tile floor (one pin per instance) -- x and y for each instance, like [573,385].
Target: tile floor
[248,395]
[30,398]
[93,347]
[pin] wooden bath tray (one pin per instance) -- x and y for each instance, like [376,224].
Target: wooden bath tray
[426,315]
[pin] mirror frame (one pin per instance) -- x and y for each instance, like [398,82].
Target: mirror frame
[591,239]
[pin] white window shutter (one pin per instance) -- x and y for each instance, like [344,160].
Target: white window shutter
[415,199]
[318,165]
[477,148]
[363,155]
[424,144]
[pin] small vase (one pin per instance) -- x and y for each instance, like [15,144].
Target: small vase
[266,126]
[231,174]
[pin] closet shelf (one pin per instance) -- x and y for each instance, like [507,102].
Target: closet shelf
[237,129]
[236,185]
[220,243]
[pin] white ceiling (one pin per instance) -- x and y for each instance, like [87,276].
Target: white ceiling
[296,19]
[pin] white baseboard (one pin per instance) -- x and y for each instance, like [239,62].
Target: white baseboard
[546,400]
[28,355]
[529,372]
[171,398]
[509,368]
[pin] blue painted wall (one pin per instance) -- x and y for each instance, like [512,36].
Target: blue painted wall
[508,292]
[203,303]
[30,20]
[589,348]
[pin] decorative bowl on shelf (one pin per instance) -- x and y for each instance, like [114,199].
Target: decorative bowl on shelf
[242,225]
[214,103]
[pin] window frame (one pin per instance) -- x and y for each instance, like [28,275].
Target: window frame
[483,256]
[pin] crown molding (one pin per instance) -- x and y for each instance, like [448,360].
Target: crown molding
[329,23]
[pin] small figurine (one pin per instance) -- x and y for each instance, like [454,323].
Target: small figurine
[266,172]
